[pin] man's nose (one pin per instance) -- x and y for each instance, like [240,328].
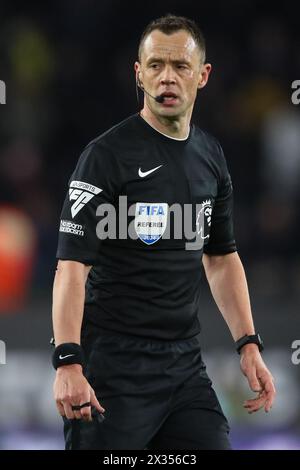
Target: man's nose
[168,76]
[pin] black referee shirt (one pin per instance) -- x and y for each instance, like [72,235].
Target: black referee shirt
[148,284]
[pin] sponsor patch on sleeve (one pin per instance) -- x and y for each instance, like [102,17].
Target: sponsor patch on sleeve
[81,193]
[67,226]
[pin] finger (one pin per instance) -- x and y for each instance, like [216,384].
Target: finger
[270,393]
[259,396]
[254,401]
[77,414]
[255,404]
[269,402]
[86,411]
[82,411]
[254,383]
[267,382]
[253,409]
[95,402]
[68,410]
[60,408]
[269,387]
[268,406]
[76,410]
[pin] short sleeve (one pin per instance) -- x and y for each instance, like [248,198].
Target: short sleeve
[93,182]
[222,239]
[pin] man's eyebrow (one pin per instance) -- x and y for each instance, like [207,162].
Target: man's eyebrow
[181,61]
[175,61]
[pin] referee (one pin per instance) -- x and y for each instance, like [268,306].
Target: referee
[125,308]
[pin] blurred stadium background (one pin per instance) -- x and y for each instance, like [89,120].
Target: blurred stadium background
[68,68]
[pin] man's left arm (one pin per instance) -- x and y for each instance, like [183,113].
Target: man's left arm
[228,284]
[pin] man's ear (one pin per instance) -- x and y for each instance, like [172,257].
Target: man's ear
[137,68]
[204,75]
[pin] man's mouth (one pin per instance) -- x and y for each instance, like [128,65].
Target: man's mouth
[169,97]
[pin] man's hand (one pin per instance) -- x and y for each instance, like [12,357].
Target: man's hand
[71,388]
[259,378]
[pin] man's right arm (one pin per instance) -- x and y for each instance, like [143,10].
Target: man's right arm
[68,301]
[93,182]
[70,386]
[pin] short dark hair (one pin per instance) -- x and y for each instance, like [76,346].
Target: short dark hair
[169,24]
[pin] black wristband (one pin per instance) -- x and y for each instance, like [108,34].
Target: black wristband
[248,339]
[66,354]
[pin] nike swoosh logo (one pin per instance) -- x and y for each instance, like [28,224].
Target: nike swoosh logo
[64,357]
[142,174]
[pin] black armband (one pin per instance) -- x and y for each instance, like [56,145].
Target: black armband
[66,354]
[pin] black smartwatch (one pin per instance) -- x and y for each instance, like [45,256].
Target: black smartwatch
[247,339]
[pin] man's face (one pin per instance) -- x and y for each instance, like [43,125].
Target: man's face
[171,65]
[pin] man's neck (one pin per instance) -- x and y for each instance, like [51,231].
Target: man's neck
[177,128]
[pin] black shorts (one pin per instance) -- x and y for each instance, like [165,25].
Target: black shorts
[156,395]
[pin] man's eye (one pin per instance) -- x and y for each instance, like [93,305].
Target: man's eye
[154,66]
[181,66]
